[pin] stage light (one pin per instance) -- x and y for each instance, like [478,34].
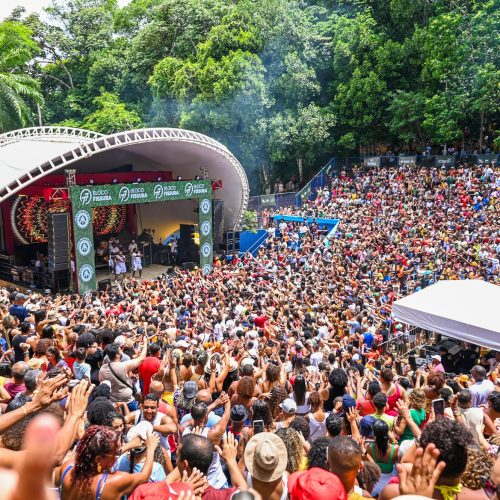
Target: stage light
[197,178]
[138,179]
[179,178]
[114,181]
[159,179]
[91,181]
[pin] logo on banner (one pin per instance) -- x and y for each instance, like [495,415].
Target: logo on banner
[84,246]
[85,196]
[207,269]
[206,249]
[82,219]
[86,273]
[205,228]
[205,206]
[124,194]
[158,191]
[188,189]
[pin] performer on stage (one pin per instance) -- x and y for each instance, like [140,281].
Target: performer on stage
[136,262]
[120,266]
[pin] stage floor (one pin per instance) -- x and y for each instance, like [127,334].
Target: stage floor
[148,273]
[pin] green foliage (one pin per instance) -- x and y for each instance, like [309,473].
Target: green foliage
[111,115]
[250,221]
[18,90]
[284,84]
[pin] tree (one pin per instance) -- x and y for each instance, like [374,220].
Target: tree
[111,116]
[407,115]
[18,90]
[299,134]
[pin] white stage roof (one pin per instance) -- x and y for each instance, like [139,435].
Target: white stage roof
[27,155]
[467,310]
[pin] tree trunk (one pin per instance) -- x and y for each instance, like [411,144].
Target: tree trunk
[266,182]
[300,165]
[481,126]
[39,110]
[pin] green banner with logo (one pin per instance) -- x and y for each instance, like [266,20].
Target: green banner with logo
[85,198]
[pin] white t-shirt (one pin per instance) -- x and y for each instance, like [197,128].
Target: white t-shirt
[480,392]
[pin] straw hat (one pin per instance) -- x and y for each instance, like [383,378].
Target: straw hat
[266,457]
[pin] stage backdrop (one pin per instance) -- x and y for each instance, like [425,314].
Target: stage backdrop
[85,198]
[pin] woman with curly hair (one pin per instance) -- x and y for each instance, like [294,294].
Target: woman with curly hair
[89,476]
[244,393]
[317,456]
[317,417]
[278,395]
[417,413]
[337,387]
[294,447]
[262,411]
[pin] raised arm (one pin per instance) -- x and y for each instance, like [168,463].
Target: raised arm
[132,364]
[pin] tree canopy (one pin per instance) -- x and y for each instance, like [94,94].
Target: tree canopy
[285,84]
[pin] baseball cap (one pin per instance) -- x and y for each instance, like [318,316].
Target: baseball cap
[317,484]
[190,389]
[348,402]
[289,406]
[182,343]
[142,429]
[238,413]
[366,425]
[355,357]
[436,357]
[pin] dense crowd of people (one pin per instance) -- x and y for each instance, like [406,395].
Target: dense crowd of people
[275,376]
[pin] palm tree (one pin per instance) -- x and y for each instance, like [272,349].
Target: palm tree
[17,89]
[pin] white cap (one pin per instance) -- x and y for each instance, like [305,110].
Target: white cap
[289,406]
[247,361]
[142,429]
[355,357]
[436,357]
[182,343]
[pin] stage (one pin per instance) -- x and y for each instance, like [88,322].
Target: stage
[148,273]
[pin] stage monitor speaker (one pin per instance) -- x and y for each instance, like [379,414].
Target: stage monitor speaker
[186,231]
[218,220]
[59,244]
[103,284]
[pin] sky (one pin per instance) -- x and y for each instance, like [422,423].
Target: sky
[6,6]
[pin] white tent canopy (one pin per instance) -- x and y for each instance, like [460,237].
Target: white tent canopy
[467,310]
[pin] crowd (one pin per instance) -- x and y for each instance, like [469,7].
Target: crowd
[273,377]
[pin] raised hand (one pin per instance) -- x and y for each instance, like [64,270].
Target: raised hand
[424,473]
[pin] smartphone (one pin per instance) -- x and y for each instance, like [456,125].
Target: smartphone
[258,426]
[438,407]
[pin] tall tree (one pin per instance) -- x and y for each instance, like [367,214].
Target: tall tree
[18,90]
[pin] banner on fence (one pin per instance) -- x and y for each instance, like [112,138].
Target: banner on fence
[268,200]
[372,161]
[445,161]
[407,160]
[487,159]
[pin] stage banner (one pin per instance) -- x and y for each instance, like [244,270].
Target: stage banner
[85,198]
[373,161]
[407,160]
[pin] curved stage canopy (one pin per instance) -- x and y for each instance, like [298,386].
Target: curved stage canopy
[462,309]
[27,155]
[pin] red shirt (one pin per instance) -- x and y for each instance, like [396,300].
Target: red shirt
[148,368]
[260,321]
